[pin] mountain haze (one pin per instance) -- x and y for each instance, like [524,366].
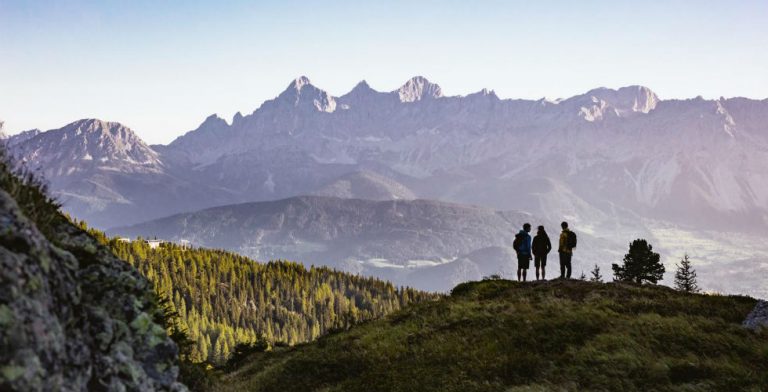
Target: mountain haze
[616,163]
[421,243]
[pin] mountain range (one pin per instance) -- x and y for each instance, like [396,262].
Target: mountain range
[616,163]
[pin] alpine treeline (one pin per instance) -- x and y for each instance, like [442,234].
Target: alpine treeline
[224,299]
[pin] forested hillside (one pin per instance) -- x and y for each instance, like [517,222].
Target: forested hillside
[224,299]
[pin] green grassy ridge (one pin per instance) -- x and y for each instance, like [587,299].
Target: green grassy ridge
[499,335]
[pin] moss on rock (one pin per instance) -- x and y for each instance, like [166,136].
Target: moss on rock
[73,317]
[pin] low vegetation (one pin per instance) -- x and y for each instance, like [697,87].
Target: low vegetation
[498,335]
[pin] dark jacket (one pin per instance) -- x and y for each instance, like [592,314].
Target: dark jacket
[541,244]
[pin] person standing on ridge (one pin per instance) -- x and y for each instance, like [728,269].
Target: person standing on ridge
[541,247]
[522,245]
[565,249]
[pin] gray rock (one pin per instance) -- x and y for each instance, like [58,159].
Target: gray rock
[758,318]
[73,317]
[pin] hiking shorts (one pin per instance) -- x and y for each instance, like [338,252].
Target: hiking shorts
[523,261]
[540,261]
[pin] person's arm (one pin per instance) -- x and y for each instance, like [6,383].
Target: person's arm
[549,245]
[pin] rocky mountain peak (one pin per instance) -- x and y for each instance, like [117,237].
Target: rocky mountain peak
[361,87]
[642,98]
[417,89]
[626,101]
[296,86]
[213,121]
[485,93]
[207,133]
[361,94]
[301,93]
[237,118]
[83,142]
[300,82]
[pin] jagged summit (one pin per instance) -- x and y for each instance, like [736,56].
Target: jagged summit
[237,118]
[302,93]
[299,83]
[111,132]
[630,98]
[209,131]
[363,84]
[361,94]
[86,141]
[361,87]
[213,121]
[417,89]
[296,86]
[600,102]
[485,93]
[93,125]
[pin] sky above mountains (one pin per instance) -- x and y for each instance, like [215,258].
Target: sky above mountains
[162,67]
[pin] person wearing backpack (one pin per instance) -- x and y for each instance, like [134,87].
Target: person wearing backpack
[522,245]
[565,249]
[541,247]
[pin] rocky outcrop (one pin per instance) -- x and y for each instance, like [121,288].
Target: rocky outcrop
[73,317]
[758,318]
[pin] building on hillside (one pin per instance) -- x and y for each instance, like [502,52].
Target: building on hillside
[154,244]
[124,239]
[185,244]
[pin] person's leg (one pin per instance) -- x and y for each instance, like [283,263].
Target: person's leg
[568,265]
[543,268]
[536,264]
[562,265]
[518,274]
[525,273]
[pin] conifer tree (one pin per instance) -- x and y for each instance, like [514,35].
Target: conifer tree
[641,264]
[685,276]
[596,276]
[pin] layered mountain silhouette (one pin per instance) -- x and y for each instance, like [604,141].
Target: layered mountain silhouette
[617,163]
[395,239]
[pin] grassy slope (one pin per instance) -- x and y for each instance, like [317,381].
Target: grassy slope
[505,336]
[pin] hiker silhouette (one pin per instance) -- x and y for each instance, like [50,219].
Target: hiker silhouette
[566,245]
[541,247]
[522,245]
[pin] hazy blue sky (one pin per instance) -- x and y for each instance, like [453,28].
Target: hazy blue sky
[161,67]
